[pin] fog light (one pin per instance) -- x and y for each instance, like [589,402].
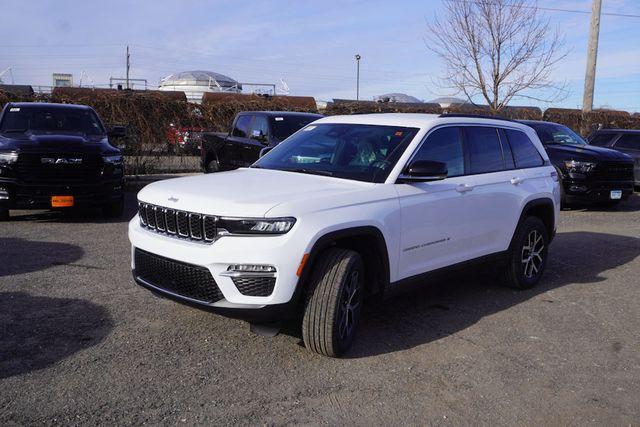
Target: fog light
[4,193]
[578,188]
[252,268]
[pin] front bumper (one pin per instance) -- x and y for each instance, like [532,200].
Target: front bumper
[588,191]
[282,252]
[38,196]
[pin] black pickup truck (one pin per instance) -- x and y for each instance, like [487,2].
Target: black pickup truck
[251,132]
[587,173]
[58,156]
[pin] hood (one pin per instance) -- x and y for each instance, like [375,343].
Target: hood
[32,141]
[586,152]
[244,192]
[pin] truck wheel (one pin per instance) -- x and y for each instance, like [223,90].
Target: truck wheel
[334,302]
[213,166]
[4,214]
[528,255]
[114,209]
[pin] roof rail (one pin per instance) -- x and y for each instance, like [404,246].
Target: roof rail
[475,116]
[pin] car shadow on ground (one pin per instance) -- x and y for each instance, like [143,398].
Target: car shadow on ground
[19,256]
[445,307]
[37,332]
[85,215]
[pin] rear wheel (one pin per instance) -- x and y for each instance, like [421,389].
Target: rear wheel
[334,302]
[528,254]
[4,214]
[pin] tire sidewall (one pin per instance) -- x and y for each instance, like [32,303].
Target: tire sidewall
[344,344]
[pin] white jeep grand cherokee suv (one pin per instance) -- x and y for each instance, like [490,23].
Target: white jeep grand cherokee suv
[346,208]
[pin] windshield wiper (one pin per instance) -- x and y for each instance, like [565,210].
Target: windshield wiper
[14,130]
[309,171]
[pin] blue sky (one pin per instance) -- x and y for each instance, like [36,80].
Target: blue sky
[311,45]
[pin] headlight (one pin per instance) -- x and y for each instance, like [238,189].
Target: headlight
[8,158]
[580,167]
[113,160]
[255,226]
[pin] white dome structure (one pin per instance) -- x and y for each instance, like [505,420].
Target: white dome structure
[195,83]
[397,97]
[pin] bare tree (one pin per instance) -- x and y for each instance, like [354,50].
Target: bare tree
[497,49]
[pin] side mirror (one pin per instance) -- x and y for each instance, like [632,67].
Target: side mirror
[265,150]
[424,171]
[117,132]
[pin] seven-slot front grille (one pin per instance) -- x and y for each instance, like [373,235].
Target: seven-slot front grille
[255,286]
[175,223]
[179,278]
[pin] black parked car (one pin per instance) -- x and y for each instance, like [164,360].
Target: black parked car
[251,132]
[624,140]
[58,156]
[588,173]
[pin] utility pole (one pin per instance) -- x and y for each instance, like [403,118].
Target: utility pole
[358,76]
[592,54]
[128,65]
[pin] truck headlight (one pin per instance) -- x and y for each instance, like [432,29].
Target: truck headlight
[255,225]
[8,158]
[580,167]
[113,160]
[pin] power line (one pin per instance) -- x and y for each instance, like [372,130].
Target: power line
[555,9]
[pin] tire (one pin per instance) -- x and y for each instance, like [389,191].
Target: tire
[333,302]
[114,209]
[524,267]
[213,166]
[4,214]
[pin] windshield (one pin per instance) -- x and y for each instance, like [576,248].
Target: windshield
[352,151]
[285,126]
[551,133]
[52,119]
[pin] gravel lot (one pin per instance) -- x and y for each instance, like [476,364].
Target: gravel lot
[81,344]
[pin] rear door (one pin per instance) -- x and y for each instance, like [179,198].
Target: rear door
[238,139]
[497,194]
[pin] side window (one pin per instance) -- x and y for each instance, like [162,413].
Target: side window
[602,139]
[241,128]
[260,128]
[525,153]
[484,150]
[629,142]
[506,150]
[444,145]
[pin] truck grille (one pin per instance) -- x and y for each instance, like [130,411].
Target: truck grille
[58,168]
[614,171]
[179,278]
[255,286]
[175,223]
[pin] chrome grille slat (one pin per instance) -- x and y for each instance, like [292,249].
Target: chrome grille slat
[180,224]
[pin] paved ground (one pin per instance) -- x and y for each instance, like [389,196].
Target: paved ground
[80,344]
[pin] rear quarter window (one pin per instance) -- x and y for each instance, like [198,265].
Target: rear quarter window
[525,154]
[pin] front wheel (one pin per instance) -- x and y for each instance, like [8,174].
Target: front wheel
[334,302]
[213,166]
[527,257]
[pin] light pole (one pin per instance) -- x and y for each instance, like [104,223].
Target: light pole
[358,76]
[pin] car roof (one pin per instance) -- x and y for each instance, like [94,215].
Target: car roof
[281,113]
[419,120]
[48,104]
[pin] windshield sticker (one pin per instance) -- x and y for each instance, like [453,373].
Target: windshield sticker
[308,128]
[279,119]
[399,133]
[14,109]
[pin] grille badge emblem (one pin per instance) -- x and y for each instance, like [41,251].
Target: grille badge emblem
[60,161]
[172,199]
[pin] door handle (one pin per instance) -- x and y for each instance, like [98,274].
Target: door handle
[516,180]
[463,188]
